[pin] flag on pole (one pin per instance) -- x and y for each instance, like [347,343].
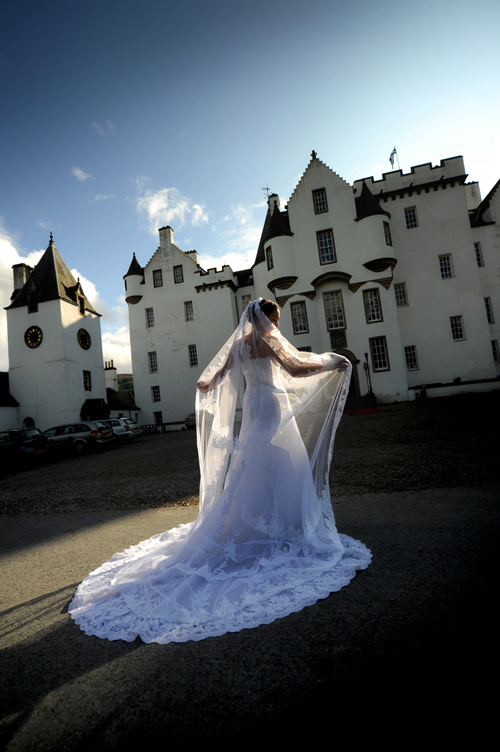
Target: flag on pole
[391,158]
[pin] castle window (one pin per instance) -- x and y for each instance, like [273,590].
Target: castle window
[153,362]
[269,257]
[387,233]
[299,318]
[326,246]
[378,350]
[401,295]
[178,274]
[87,381]
[446,266]
[411,217]
[319,200]
[373,308]
[457,327]
[489,311]
[245,300]
[81,305]
[150,318]
[188,310]
[158,416]
[193,356]
[155,394]
[334,310]
[305,349]
[157,278]
[479,254]
[411,358]
[494,347]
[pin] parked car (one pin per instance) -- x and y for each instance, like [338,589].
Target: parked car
[80,437]
[124,428]
[190,421]
[16,445]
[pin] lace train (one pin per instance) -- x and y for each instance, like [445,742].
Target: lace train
[202,603]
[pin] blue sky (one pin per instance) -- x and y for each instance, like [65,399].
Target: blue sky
[120,116]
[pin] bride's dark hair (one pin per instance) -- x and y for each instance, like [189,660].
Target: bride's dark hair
[267,306]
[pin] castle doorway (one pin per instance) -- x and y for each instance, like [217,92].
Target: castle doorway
[354,388]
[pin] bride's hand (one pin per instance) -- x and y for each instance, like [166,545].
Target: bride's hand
[202,386]
[343,364]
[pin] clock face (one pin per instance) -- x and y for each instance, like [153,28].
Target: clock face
[33,336]
[84,339]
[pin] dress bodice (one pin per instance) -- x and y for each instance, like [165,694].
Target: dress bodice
[262,371]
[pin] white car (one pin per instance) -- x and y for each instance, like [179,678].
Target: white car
[124,428]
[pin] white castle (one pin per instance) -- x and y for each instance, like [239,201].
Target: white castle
[400,275]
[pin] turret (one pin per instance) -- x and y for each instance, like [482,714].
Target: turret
[134,278]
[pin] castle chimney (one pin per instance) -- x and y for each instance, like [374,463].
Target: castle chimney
[21,275]
[166,236]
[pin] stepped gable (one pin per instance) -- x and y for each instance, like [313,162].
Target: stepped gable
[314,160]
[367,205]
[134,269]
[51,280]
[477,217]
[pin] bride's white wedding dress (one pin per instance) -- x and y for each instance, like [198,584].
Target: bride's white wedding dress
[264,544]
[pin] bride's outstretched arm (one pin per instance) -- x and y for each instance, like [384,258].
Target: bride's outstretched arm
[299,370]
[204,386]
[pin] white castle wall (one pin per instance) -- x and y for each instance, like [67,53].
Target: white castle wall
[443,228]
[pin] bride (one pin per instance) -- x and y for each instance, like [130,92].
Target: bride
[264,543]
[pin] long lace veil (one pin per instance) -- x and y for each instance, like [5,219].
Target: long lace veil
[316,390]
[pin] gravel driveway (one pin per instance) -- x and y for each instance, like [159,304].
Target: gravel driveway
[441,443]
[401,656]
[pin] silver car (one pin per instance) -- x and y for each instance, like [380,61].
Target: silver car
[124,428]
[80,437]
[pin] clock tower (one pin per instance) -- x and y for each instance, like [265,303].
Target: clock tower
[55,348]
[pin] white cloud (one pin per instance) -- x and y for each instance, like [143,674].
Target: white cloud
[116,347]
[240,235]
[166,207]
[9,255]
[80,174]
[49,226]
[104,130]
[105,197]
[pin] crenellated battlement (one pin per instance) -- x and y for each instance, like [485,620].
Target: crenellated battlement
[448,170]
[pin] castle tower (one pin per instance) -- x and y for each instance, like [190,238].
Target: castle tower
[55,347]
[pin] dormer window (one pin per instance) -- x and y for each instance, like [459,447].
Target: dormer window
[32,302]
[81,305]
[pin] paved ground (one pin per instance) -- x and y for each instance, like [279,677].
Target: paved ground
[405,653]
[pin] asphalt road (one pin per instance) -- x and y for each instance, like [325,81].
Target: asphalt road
[404,655]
